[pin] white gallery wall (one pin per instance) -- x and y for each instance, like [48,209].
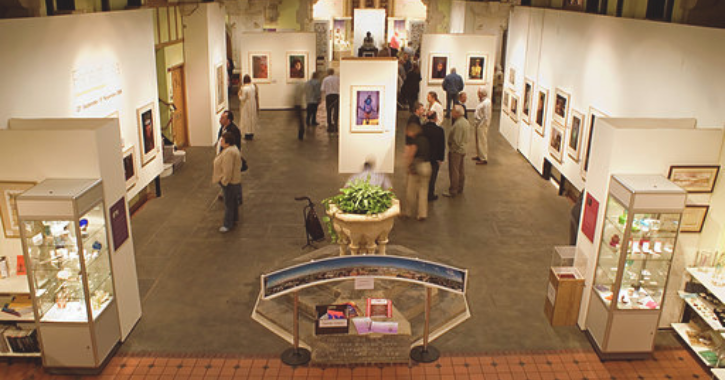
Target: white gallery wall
[368,20]
[457,47]
[204,50]
[277,94]
[91,65]
[356,147]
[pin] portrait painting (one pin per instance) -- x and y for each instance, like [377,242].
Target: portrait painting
[341,34]
[528,97]
[438,68]
[575,127]
[512,76]
[147,133]
[129,167]
[476,68]
[367,112]
[514,108]
[573,5]
[220,86]
[587,145]
[9,207]
[695,179]
[561,106]
[556,142]
[296,66]
[260,67]
[505,101]
[540,115]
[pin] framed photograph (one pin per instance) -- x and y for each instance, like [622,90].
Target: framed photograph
[438,66]
[260,67]
[695,179]
[587,139]
[367,106]
[505,101]
[130,169]
[542,97]
[693,218]
[9,207]
[573,5]
[556,142]
[476,68]
[561,106]
[528,98]
[147,133]
[514,108]
[296,66]
[512,76]
[220,86]
[576,122]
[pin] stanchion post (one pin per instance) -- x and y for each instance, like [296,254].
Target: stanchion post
[425,353]
[296,356]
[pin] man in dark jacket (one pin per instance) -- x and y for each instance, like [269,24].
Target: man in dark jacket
[437,141]
[452,85]
[227,125]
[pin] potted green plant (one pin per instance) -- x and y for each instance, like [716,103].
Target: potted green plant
[362,217]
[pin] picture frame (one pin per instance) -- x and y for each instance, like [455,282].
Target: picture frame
[148,142]
[297,66]
[8,207]
[527,100]
[561,106]
[573,5]
[576,124]
[557,138]
[694,179]
[693,218]
[514,108]
[220,86]
[512,76]
[260,66]
[130,169]
[438,67]
[542,100]
[587,140]
[476,68]
[505,101]
[367,106]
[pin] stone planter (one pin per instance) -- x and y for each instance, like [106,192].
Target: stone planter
[364,234]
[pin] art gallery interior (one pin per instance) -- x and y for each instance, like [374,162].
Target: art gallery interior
[590,246]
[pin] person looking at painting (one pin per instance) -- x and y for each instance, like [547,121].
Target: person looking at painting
[394,44]
[417,159]
[457,141]
[411,86]
[462,99]
[226,122]
[481,122]
[331,88]
[452,85]
[434,105]
[248,107]
[296,70]
[314,95]
[228,174]
[437,140]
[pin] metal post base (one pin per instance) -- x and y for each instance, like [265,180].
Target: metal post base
[296,356]
[422,355]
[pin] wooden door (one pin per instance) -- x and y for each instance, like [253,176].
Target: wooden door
[178,127]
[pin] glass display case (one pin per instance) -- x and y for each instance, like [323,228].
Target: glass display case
[65,239]
[638,239]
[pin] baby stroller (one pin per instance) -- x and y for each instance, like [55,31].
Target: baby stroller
[313,227]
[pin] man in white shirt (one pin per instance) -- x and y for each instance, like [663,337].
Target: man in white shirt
[481,122]
[331,88]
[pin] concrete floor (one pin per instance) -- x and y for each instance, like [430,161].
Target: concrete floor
[199,287]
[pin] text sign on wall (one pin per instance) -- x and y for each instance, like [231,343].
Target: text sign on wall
[589,223]
[119,223]
[96,89]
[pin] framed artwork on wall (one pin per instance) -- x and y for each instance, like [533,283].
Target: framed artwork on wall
[476,68]
[147,133]
[528,101]
[695,179]
[296,66]
[561,106]
[129,167]
[260,67]
[367,109]
[514,107]
[556,142]
[505,101]
[587,139]
[576,122]
[8,206]
[693,218]
[220,86]
[542,97]
[573,5]
[512,76]
[438,67]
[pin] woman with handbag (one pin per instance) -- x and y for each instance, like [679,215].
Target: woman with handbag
[417,156]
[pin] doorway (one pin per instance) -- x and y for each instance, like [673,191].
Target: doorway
[179,129]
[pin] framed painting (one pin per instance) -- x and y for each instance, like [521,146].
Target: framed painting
[514,108]
[367,109]
[561,106]
[9,208]
[476,68]
[438,67]
[587,142]
[693,218]
[695,179]
[573,5]
[297,66]
[505,101]
[556,142]
[576,122]
[512,76]
[220,86]
[528,99]
[147,133]
[130,170]
[260,66]
[542,98]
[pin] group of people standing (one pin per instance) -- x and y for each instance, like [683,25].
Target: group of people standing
[313,90]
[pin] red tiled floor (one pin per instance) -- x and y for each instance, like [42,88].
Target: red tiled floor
[674,364]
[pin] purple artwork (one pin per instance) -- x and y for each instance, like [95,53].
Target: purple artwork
[368,108]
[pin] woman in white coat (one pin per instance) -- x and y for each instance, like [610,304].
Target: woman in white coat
[248,108]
